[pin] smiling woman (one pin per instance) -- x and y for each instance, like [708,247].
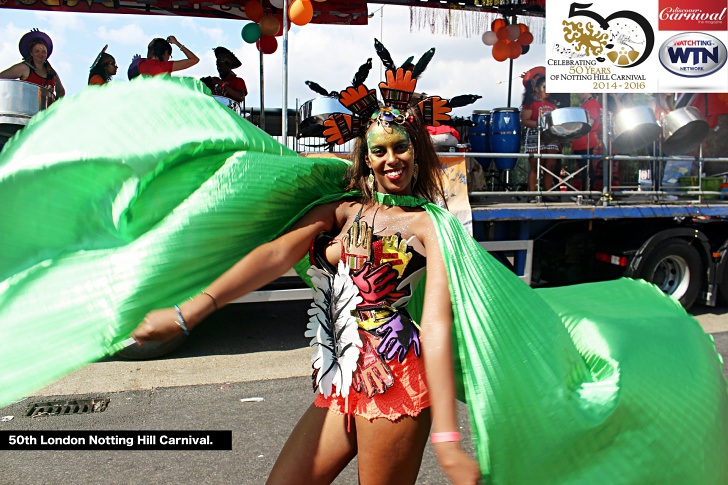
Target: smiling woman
[35,48]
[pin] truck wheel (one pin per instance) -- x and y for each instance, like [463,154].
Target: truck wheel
[150,350]
[674,266]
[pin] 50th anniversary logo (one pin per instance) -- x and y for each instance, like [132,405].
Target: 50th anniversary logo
[628,46]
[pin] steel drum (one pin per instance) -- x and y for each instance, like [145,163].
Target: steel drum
[633,129]
[230,103]
[19,101]
[314,112]
[505,135]
[479,135]
[683,130]
[565,124]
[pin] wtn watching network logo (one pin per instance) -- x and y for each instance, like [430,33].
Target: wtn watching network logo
[692,54]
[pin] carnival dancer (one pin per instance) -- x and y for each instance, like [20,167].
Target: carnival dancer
[368,254]
[103,69]
[557,389]
[227,83]
[36,48]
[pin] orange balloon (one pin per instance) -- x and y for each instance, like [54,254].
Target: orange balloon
[300,12]
[502,33]
[525,38]
[254,10]
[497,24]
[269,25]
[522,27]
[501,51]
[514,50]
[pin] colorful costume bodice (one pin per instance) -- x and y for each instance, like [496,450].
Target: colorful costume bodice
[359,320]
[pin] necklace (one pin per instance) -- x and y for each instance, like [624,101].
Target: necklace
[399,200]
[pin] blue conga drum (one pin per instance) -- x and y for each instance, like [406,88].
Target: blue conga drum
[479,135]
[505,135]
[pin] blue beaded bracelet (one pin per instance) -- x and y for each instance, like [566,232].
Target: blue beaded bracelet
[181,321]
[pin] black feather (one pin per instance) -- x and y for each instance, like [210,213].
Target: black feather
[384,55]
[422,63]
[463,100]
[318,89]
[362,73]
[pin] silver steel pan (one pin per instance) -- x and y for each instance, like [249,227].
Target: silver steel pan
[230,103]
[314,112]
[683,130]
[564,124]
[633,129]
[19,101]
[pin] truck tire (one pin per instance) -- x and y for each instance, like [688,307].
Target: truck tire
[675,267]
[150,350]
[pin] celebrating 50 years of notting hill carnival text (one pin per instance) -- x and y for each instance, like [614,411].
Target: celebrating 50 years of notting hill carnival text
[648,46]
[116,440]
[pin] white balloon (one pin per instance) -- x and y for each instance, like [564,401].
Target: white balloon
[489,38]
[513,32]
[277,3]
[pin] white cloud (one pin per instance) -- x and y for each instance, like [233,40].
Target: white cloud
[129,34]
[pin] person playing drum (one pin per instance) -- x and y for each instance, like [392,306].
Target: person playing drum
[591,143]
[228,84]
[536,102]
[35,48]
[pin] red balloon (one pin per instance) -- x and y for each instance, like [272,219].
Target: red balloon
[525,38]
[501,50]
[502,33]
[254,10]
[523,27]
[497,24]
[267,44]
[514,50]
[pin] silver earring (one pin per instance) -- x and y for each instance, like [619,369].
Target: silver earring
[414,174]
[370,180]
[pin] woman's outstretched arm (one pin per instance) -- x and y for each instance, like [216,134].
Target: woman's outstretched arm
[258,268]
[437,350]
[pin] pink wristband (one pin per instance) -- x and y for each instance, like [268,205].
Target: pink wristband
[447,436]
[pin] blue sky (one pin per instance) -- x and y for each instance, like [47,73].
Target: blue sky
[327,54]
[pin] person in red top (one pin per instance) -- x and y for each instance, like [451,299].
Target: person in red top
[535,103]
[592,141]
[35,48]
[159,53]
[227,84]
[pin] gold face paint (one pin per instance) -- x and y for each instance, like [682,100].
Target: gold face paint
[391,158]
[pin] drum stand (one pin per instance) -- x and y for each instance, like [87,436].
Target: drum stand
[562,179]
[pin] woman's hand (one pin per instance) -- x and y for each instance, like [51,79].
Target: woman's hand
[459,467]
[173,40]
[158,325]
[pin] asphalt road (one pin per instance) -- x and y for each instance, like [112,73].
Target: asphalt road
[244,351]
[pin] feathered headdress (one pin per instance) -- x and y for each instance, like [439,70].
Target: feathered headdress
[397,94]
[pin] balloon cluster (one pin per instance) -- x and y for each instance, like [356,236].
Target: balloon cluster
[509,41]
[265,27]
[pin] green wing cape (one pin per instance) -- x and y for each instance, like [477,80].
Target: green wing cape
[134,196]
